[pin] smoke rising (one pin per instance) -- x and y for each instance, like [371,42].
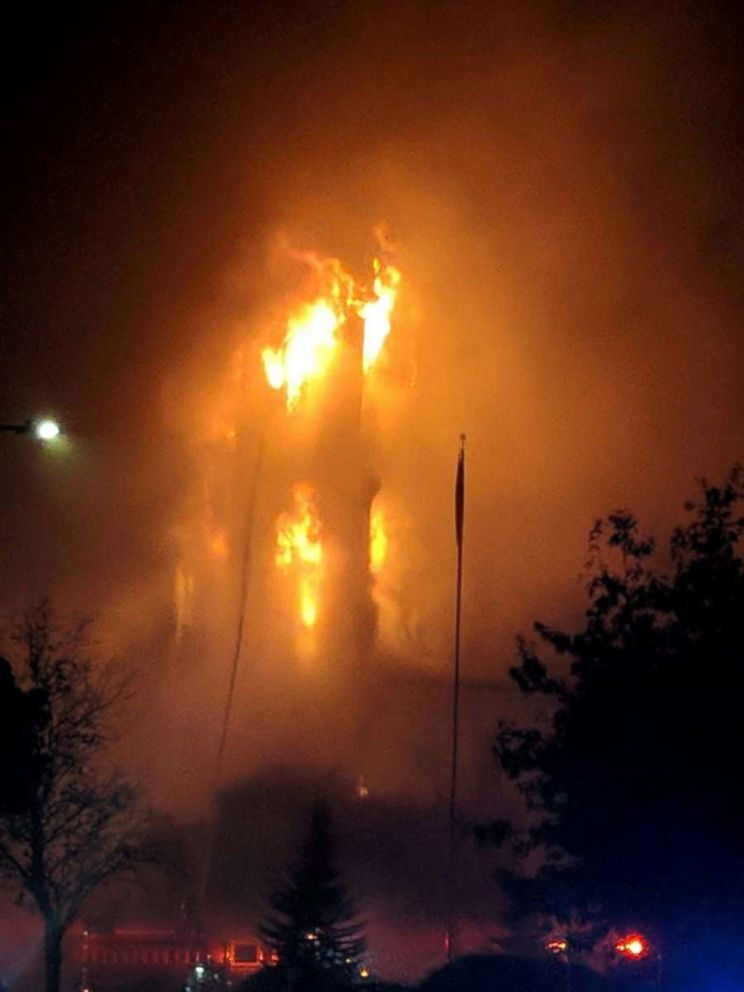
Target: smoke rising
[561,184]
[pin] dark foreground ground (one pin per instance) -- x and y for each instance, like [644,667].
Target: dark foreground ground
[489,973]
[476,973]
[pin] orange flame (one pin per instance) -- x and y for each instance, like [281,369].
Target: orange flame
[299,544]
[307,352]
[312,335]
[377,313]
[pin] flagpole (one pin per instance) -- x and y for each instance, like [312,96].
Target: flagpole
[459,525]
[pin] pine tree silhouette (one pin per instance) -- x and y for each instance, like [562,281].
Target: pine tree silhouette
[311,927]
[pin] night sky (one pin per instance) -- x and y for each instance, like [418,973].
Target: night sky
[562,184]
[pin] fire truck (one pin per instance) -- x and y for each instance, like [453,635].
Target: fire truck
[123,957]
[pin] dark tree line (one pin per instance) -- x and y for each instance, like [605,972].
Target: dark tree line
[632,766]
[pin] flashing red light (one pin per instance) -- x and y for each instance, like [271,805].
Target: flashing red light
[634,946]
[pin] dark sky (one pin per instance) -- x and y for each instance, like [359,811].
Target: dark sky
[562,181]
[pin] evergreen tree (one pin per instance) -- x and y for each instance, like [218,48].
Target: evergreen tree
[311,927]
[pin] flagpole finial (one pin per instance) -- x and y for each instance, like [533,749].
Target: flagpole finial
[463,439]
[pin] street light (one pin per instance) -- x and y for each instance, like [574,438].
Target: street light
[636,947]
[46,429]
[561,948]
[42,428]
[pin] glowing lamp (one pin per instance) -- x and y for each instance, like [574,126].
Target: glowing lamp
[634,946]
[557,946]
[46,429]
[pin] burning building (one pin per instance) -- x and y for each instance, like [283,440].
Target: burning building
[283,552]
[284,545]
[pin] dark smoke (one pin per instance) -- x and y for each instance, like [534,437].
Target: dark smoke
[562,185]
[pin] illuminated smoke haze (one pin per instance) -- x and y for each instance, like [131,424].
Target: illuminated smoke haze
[561,185]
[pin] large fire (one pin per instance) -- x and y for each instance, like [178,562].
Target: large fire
[312,334]
[299,545]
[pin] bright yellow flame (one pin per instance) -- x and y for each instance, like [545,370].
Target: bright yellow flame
[308,602]
[378,541]
[298,537]
[307,352]
[312,336]
[298,544]
[377,313]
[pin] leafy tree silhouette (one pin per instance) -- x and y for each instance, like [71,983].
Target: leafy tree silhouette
[631,768]
[311,927]
[69,821]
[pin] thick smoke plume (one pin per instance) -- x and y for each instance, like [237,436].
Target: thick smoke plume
[561,185]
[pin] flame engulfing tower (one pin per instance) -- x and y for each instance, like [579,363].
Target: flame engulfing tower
[279,548]
[330,543]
